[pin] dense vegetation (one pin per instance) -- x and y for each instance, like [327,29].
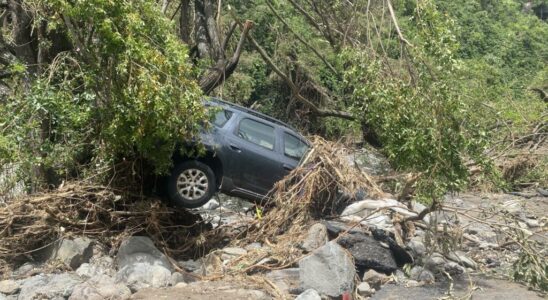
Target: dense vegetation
[443,87]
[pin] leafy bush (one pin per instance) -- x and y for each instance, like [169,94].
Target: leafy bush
[125,90]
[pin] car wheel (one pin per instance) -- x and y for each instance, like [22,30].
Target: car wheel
[191,184]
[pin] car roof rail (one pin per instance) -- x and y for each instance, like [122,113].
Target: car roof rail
[251,112]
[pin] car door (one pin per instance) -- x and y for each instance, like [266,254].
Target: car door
[254,163]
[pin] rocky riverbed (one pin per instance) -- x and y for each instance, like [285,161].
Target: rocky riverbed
[363,261]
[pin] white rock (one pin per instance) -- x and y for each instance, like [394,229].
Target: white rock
[9,287]
[365,290]
[309,294]
[211,205]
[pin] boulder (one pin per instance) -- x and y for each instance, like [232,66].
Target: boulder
[285,280]
[51,286]
[309,294]
[73,252]
[375,279]
[9,287]
[368,253]
[419,273]
[140,249]
[329,270]
[100,287]
[143,275]
[315,238]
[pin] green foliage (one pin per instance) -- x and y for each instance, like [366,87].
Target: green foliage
[419,116]
[125,91]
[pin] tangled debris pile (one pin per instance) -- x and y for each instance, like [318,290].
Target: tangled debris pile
[32,223]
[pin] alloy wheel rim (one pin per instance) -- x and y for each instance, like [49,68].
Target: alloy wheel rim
[192,184]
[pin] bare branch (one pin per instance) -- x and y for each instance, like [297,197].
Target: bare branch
[395,21]
[223,69]
[295,89]
[321,57]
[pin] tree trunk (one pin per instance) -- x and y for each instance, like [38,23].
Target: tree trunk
[185,21]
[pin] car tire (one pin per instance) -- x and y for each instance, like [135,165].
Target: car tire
[191,184]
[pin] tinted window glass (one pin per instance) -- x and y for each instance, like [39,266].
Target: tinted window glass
[221,117]
[293,146]
[257,133]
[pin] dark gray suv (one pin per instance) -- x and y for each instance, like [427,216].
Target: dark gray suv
[246,153]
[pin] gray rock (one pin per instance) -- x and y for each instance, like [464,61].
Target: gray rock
[513,206]
[454,268]
[140,249]
[309,294]
[329,270]
[418,207]
[52,286]
[461,258]
[211,205]
[190,265]
[416,247]
[285,280]
[177,277]
[103,265]
[24,270]
[483,232]
[253,246]
[143,275]
[3,297]
[365,290]
[419,273]
[368,253]
[73,252]
[210,264]
[9,287]
[435,262]
[336,227]
[375,279]
[532,223]
[100,287]
[316,237]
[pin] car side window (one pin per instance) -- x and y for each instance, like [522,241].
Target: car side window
[293,146]
[221,117]
[257,133]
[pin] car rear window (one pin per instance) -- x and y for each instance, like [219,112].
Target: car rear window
[293,146]
[257,133]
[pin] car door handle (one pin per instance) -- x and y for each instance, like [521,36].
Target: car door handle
[235,148]
[288,167]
